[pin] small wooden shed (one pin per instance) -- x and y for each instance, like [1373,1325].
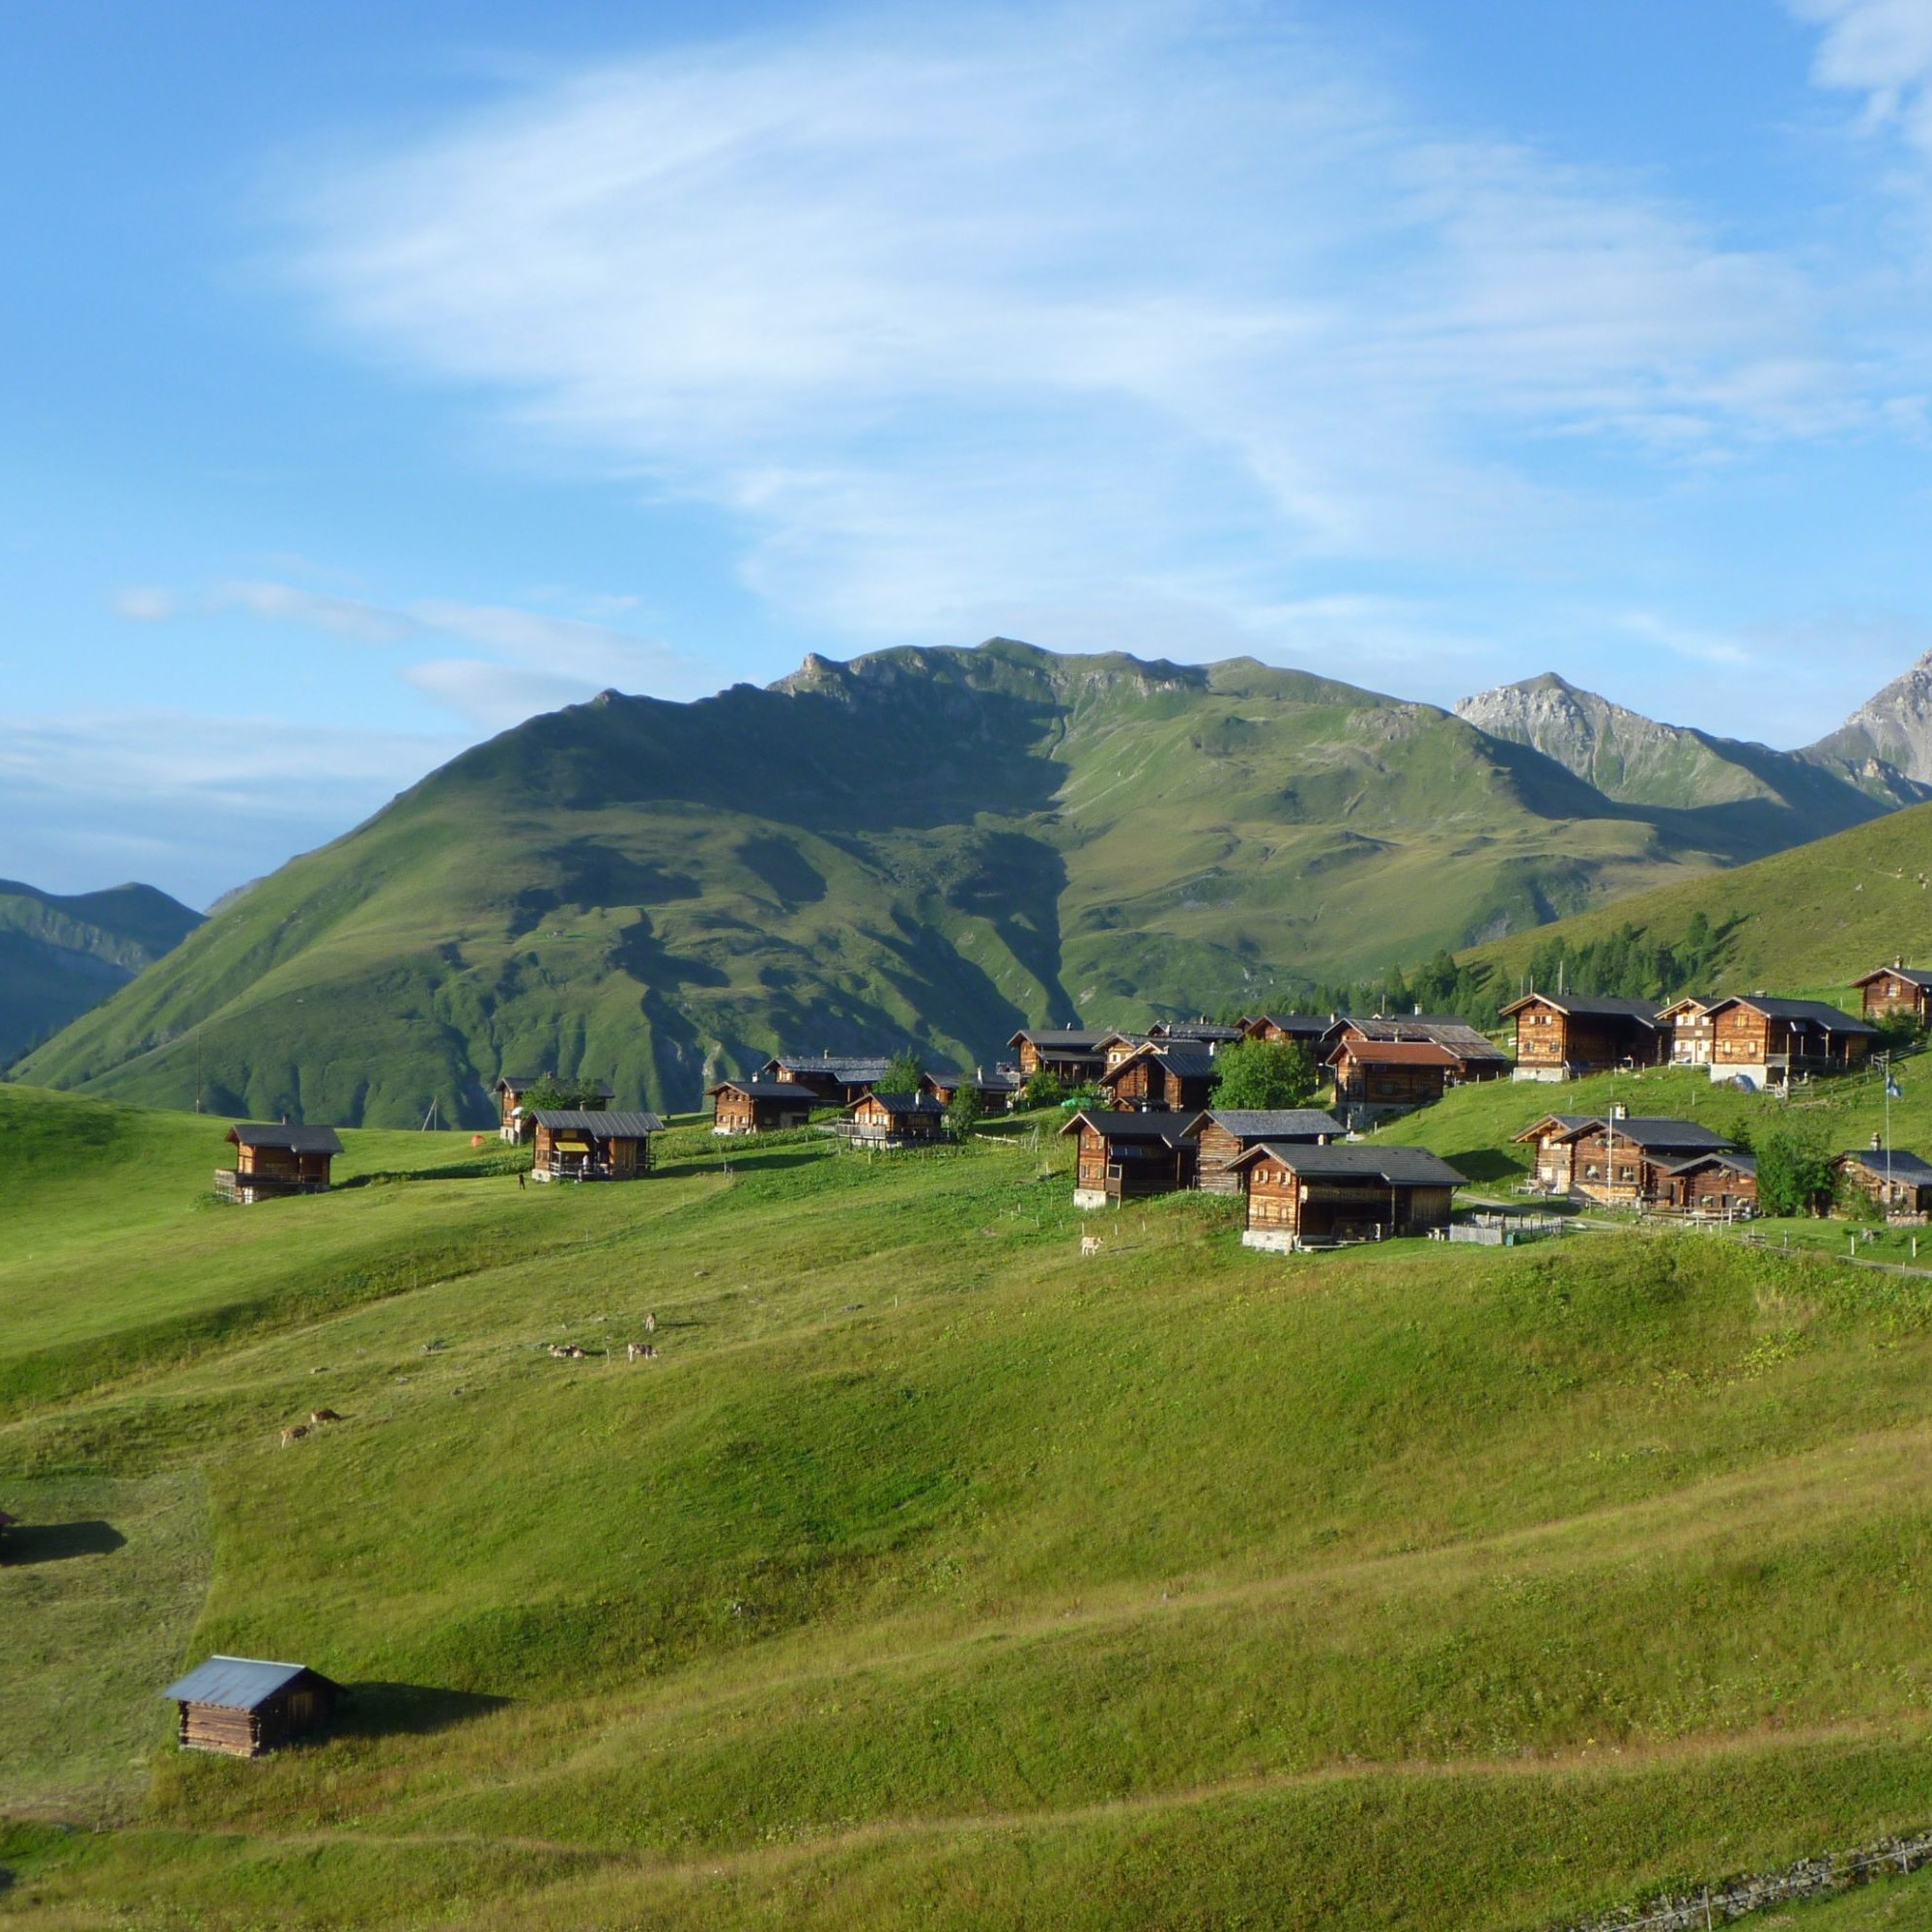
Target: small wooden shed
[1122,1155]
[1897,991]
[243,1706]
[1721,1185]
[1162,1079]
[579,1143]
[1898,1182]
[837,1079]
[759,1106]
[1564,1036]
[1299,1197]
[276,1159]
[1221,1137]
[895,1120]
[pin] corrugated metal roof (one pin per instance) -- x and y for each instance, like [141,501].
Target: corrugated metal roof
[296,1138]
[606,1127]
[235,1682]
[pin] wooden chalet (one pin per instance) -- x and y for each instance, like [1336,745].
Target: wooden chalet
[242,1706]
[512,1087]
[1162,1079]
[759,1106]
[998,1091]
[1115,1047]
[893,1121]
[1619,1161]
[1897,992]
[1073,1054]
[1763,1043]
[272,1160]
[1306,1196]
[1898,1182]
[587,1144]
[1309,1031]
[1719,1187]
[1563,1037]
[1376,1078]
[1554,1137]
[1124,1155]
[838,1079]
[1197,1032]
[1477,1057]
[1689,1029]
[1222,1136]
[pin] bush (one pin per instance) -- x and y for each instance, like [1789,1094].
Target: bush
[1044,1087]
[1794,1172]
[1265,1075]
[905,1073]
[963,1116]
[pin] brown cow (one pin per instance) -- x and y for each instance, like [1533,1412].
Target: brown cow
[318,1416]
[295,1433]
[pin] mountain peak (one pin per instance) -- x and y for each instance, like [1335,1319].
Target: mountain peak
[1891,731]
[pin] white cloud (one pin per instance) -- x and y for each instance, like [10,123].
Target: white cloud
[145,605]
[1038,310]
[492,696]
[341,617]
[1882,50]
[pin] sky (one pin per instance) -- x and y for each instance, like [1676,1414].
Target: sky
[374,377]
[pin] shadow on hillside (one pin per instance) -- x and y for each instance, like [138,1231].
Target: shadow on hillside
[1482,1164]
[55,1541]
[384,1710]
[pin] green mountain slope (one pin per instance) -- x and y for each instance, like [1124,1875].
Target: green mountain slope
[1817,915]
[61,956]
[929,845]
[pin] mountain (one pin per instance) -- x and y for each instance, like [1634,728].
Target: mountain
[61,956]
[1891,731]
[1782,798]
[936,846]
[1810,919]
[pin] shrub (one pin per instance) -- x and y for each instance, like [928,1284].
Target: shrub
[905,1073]
[1264,1074]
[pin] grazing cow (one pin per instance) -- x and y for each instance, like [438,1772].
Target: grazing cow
[651,1323]
[559,1352]
[1090,1244]
[318,1416]
[295,1433]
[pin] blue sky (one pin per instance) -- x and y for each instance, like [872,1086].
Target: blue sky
[371,378]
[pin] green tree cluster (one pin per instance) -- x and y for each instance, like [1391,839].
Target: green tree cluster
[904,1073]
[1794,1170]
[1264,1074]
[555,1094]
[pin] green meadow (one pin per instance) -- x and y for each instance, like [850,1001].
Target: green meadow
[936,1573]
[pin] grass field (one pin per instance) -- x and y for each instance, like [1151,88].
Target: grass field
[935,1574]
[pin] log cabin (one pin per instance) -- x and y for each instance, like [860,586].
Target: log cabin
[585,1144]
[512,1087]
[1162,1079]
[1564,1036]
[242,1706]
[1897,992]
[1899,1183]
[1115,1046]
[1072,1054]
[1299,1197]
[1309,1031]
[1121,1156]
[1617,1160]
[1477,1057]
[1689,1030]
[1555,1138]
[838,1079]
[1717,1187]
[1377,1079]
[274,1161]
[998,1091]
[759,1106]
[1222,1136]
[1763,1043]
[893,1121]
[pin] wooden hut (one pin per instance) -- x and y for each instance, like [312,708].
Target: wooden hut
[585,1144]
[1720,1186]
[1688,1029]
[1309,1031]
[591,1094]
[1377,1078]
[1554,1137]
[998,1091]
[759,1106]
[1124,1155]
[1115,1047]
[1564,1036]
[1897,992]
[242,1706]
[895,1120]
[1619,1161]
[1162,1079]
[838,1079]
[272,1160]
[1897,1181]
[1299,1195]
[1072,1054]
[1764,1042]
[1221,1137]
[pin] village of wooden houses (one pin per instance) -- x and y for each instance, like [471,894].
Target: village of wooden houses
[1142,1110]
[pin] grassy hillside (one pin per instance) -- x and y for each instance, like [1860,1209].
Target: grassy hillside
[61,956]
[935,1574]
[938,846]
[1815,917]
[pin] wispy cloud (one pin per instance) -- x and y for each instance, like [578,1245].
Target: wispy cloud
[1882,50]
[1033,310]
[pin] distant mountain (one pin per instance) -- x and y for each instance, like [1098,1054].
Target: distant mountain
[1783,798]
[61,956]
[931,846]
[1892,730]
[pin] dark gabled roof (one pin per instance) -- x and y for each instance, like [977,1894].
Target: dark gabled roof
[280,1134]
[239,1683]
[1393,1166]
[1193,1029]
[1182,1061]
[1066,1040]
[1261,1123]
[985,1083]
[1651,1130]
[522,1083]
[1703,1002]
[767,1090]
[1737,1161]
[1567,1123]
[836,1066]
[1904,1166]
[604,1126]
[1594,1006]
[1820,1013]
[1170,1130]
[1917,975]
[899,1103]
[1462,1039]
[1312,1025]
